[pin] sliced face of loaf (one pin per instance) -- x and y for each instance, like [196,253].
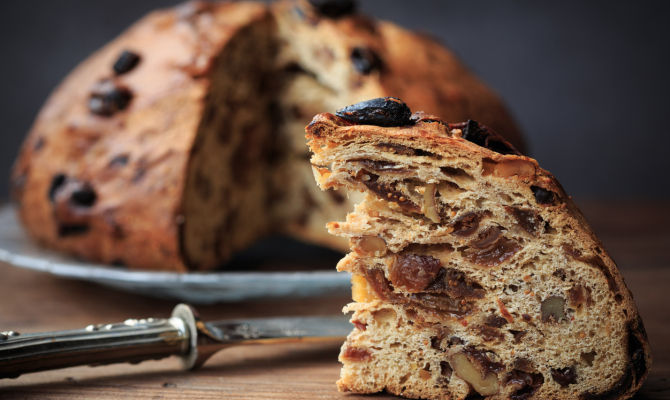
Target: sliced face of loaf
[473,273]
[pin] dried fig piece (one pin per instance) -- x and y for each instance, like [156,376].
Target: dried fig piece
[495,321]
[388,191]
[579,296]
[564,376]
[467,224]
[455,284]
[552,309]
[382,111]
[413,272]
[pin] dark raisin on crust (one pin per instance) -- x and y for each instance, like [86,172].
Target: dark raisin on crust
[382,111]
[83,195]
[542,195]
[564,376]
[482,136]
[334,8]
[126,62]
[525,383]
[107,98]
[365,60]
[57,182]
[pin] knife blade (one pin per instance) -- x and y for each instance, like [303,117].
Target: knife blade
[184,334]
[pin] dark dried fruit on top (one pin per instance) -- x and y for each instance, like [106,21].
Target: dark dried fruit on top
[126,62]
[334,8]
[483,136]
[365,60]
[382,111]
[107,98]
[542,195]
[564,376]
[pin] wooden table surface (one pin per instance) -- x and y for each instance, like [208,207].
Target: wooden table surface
[636,233]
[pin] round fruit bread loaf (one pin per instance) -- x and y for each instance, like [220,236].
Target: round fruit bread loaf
[182,141]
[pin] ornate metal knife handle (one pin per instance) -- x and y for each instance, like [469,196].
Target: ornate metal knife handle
[134,340]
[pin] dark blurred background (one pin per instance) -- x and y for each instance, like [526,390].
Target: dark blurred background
[587,81]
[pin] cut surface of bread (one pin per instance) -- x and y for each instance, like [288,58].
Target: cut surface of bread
[473,273]
[182,141]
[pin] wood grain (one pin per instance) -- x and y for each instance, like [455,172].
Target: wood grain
[636,233]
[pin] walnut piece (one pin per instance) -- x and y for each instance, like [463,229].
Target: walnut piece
[486,384]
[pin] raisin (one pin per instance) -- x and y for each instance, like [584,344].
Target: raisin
[414,272]
[356,354]
[445,369]
[365,60]
[382,111]
[56,183]
[107,98]
[525,383]
[467,224]
[83,196]
[490,333]
[564,376]
[527,219]
[440,335]
[334,8]
[542,195]
[127,61]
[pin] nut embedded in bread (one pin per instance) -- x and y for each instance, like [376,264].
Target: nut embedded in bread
[473,273]
[188,128]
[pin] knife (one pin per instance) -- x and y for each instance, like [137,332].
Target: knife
[137,340]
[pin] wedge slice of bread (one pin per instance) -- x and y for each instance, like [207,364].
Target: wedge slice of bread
[473,273]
